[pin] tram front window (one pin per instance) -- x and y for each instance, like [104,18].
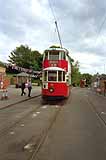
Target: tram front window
[52,76]
[61,76]
[53,56]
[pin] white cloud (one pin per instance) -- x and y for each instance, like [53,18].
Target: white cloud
[32,23]
[90,62]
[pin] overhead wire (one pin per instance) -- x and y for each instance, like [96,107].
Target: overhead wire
[101,26]
[52,10]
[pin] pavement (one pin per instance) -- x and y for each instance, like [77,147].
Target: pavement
[14,95]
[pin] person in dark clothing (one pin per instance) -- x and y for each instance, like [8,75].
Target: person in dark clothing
[22,88]
[29,88]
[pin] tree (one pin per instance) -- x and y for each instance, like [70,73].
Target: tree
[37,61]
[21,56]
[75,73]
[24,57]
[2,64]
[88,78]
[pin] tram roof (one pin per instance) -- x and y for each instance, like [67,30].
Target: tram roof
[53,69]
[57,49]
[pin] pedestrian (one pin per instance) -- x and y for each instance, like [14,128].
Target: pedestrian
[29,88]
[22,89]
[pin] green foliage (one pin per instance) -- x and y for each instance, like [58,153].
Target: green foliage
[88,78]
[24,57]
[21,56]
[76,75]
[71,60]
[2,64]
[12,81]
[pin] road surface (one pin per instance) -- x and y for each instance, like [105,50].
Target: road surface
[71,129]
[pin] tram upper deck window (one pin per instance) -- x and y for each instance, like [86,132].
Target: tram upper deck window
[54,56]
[62,55]
[52,76]
[46,55]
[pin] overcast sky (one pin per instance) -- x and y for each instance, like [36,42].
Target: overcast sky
[81,23]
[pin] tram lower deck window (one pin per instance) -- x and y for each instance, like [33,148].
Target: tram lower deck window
[52,76]
[59,75]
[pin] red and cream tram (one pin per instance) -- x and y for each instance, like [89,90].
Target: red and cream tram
[55,82]
[56,76]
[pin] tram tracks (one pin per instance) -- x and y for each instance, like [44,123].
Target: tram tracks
[18,120]
[98,114]
[35,139]
[43,136]
[47,130]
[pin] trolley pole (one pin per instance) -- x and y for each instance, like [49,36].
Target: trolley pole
[58,33]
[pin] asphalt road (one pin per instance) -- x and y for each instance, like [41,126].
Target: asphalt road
[63,130]
[22,126]
[79,132]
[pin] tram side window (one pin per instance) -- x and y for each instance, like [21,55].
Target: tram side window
[45,76]
[54,56]
[63,76]
[52,76]
[59,75]
[46,55]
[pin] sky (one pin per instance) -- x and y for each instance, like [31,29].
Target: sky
[82,27]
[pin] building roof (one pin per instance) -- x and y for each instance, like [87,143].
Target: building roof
[23,74]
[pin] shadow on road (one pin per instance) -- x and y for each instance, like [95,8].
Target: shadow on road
[53,101]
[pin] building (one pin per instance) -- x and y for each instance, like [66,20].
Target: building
[2,75]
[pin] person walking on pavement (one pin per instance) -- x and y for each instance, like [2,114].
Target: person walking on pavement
[22,88]
[29,88]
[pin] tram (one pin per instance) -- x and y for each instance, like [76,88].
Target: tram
[56,73]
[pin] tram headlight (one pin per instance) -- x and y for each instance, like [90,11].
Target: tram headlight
[51,90]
